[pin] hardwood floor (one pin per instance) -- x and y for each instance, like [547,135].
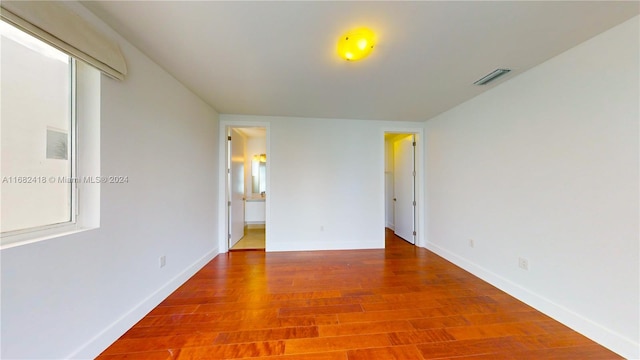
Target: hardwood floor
[402,302]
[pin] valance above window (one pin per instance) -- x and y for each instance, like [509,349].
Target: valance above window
[56,24]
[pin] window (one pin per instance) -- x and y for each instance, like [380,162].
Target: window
[37,134]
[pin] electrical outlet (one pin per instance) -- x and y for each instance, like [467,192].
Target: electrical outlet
[523,263]
[163,261]
[472,243]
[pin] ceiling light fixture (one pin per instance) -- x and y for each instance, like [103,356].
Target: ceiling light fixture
[356,44]
[491,76]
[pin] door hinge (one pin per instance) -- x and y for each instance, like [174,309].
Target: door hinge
[229,138]
[414,203]
[228,203]
[414,233]
[414,143]
[414,173]
[228,236]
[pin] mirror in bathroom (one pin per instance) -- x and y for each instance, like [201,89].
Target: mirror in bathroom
[259,174]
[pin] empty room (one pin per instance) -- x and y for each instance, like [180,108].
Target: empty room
[320,180]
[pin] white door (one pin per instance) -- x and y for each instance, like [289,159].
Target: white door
[404,187]
[236,188]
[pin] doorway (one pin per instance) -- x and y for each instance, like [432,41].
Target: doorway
[401,185]
[246,184]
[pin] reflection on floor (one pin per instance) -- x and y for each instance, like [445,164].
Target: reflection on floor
[400,302]
[253,240]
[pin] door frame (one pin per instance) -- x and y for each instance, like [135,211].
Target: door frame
[225,123]
[420,221]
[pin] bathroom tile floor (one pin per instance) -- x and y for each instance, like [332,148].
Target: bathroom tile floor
[253,240]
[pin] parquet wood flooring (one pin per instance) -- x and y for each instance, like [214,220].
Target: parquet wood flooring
[401,302]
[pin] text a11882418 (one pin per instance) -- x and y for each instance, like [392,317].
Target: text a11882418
[65,180]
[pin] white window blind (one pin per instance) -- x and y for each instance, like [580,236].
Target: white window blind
[56,24]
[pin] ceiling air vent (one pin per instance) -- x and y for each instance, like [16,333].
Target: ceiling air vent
[491,76]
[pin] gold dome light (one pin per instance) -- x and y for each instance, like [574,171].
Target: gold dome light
[356,44]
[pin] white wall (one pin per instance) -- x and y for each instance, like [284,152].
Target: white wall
[545,167]
[72,296]
[325,187]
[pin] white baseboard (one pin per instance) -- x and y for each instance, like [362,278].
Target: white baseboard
[111,333]
[617,343]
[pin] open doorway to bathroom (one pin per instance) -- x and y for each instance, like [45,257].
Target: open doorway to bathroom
[401,185]
[246,188]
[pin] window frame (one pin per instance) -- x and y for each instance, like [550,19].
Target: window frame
[35,233]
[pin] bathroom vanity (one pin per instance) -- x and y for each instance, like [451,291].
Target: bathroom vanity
[254,210]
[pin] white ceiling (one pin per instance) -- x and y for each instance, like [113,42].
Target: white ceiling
[253,132]
[279,58]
